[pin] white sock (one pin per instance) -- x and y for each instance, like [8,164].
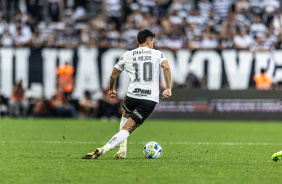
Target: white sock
[116,140]
[123,145]
[122,123]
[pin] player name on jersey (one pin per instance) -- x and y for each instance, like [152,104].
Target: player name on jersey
[142,58]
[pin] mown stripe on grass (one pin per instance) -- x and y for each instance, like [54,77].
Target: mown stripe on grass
[170,143]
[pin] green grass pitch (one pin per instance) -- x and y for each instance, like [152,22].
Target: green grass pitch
[196,152]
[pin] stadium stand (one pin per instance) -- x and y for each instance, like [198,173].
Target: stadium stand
[200,24]
[217,23]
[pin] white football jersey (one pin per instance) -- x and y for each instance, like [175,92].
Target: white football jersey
[143,67]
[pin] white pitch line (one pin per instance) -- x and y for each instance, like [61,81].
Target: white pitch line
[169,143]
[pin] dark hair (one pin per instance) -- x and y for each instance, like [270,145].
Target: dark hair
[144,34]
[262,70]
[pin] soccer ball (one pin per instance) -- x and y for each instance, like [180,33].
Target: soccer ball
[152,150]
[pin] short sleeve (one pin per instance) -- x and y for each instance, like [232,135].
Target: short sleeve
[162,57]
[120,64]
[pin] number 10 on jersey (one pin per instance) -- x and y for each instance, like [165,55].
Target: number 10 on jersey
[146,75]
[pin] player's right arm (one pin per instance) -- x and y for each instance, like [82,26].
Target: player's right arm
[167,77]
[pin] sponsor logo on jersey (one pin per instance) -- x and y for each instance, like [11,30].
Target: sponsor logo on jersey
[137,114]
[141,52]
[140,91]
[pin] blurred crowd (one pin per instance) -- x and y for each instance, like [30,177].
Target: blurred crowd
[61,104]
[254,25]
[198,24]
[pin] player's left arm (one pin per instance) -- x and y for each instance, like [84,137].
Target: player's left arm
[113,79]
[167,77]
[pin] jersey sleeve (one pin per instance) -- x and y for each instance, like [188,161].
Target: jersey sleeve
[162,57]
[120,64]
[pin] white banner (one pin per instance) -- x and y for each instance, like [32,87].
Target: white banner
[93,68]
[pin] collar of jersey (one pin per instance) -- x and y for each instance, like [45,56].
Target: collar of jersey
[145,47]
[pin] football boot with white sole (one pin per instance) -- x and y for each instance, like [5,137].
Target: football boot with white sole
[120,154]
[94,155]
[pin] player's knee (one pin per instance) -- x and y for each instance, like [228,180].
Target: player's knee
[128,128]
[125,115]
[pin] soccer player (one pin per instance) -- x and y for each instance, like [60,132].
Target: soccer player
[143,67]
